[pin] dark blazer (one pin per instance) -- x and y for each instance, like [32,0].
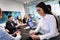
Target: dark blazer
[11,28]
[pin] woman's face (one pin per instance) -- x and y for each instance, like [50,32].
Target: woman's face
[19,17]
[25,16]
[40,11]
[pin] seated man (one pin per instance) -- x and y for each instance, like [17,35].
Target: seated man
[5,36]
[30,23]
[10,25]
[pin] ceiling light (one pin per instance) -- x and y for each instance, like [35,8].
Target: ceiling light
[26,2]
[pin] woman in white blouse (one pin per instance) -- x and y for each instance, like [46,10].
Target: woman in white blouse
[47,24]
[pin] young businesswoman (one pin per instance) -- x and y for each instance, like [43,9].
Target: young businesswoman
[19,21]
[47,25]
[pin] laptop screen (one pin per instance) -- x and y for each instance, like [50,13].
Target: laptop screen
[30,23]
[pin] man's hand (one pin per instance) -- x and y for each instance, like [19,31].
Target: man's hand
[18,33]
[7,30]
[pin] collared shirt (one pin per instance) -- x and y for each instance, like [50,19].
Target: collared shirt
[48,27]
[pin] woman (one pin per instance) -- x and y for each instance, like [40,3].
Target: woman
[47,25]
[19,21]
[25,19]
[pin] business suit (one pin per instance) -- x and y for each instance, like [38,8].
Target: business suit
[5,36]
[11,26]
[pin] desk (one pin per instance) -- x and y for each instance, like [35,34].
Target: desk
[24,33]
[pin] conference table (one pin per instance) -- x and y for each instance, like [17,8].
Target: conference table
[24,32]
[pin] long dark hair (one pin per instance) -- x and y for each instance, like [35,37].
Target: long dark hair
[44,7]
[49,7]
[19,19]
[46,10]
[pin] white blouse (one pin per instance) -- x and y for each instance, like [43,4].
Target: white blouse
[48,27]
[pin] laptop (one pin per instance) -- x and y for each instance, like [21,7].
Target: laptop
[30,23]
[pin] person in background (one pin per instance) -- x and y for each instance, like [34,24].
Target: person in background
[30,17]
[25,19]
[5,36]
[0,13]
[10,25]
[47,25]
[19,21]
[30,21]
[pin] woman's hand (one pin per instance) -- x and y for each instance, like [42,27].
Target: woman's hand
[32,33]
[35,37]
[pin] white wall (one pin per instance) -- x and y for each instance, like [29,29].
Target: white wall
[55,7]
[10,5]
